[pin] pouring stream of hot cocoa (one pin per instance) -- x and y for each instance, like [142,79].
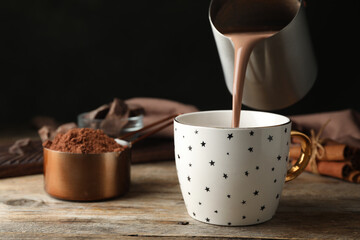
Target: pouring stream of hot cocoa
[243,42]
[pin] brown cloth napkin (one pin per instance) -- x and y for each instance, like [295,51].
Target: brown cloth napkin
[336,143]
[344,125]
[20,159]
[156,109]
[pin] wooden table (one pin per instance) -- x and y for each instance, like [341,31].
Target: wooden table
[311,207]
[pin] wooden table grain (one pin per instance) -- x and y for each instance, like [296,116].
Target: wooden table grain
[311,207]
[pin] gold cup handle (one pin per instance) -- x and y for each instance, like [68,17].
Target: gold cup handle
[304,158]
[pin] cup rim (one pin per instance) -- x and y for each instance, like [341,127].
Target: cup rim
[177,120]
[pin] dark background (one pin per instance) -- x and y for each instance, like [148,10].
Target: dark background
[61,58]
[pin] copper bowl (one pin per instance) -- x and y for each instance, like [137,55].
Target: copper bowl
[93,177]
[86,177]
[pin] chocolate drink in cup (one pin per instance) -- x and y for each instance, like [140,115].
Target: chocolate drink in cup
[245,24]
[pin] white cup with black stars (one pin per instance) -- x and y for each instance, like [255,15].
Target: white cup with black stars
[234,176]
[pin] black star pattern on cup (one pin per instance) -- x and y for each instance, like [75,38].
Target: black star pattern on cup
[269,138]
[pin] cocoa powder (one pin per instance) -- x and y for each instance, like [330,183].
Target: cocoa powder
[83,140]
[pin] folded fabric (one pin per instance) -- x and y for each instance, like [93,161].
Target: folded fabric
[343,126]
[335,143]
[25,156]
[112,117]
[156,109]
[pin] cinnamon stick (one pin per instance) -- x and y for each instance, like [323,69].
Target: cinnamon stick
[339,152]
[332,169]
[337,169]
[333,151]
[354,176]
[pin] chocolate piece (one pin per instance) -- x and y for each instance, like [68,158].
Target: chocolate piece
[118,108]
[99,113]
[116,118]
[46,133]
[113,126]
[135,110]
[22,146]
